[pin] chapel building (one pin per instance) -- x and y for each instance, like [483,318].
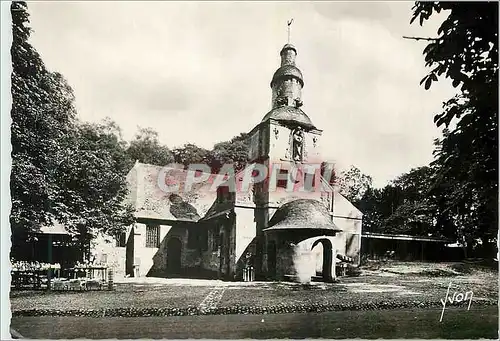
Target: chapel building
[280,233]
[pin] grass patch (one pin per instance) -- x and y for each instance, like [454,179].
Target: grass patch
[390,324]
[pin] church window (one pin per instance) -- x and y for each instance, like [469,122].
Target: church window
[152,236]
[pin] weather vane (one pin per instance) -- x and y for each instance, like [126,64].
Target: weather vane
[289,23]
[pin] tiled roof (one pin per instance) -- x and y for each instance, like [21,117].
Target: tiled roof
[183,204]
[289,114]
[302,214]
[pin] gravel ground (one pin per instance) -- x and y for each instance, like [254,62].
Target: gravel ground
[383,288]
[125,296]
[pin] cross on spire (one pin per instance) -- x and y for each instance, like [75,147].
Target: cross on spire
[289,23]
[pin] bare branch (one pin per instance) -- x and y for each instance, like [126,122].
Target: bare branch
[421,38]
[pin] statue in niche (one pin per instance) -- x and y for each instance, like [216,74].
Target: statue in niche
[297,144]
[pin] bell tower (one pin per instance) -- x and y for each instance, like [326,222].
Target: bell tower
[285,136]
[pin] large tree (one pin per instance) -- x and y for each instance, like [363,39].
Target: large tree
[94,179]
[146,148]
[42,116]
[415,210]
[466,159]
[353,184]
[62,170]
[190,154]
[234,151]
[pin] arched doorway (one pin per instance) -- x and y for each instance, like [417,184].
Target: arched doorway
[327,258]
[174,248]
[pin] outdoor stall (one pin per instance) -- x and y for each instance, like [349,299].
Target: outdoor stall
[33,275]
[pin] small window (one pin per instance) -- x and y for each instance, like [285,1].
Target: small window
[121,239]
[281,180]
[152,236]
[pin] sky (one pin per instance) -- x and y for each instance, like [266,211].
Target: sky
[199,72]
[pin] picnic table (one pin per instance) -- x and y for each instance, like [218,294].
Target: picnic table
[90,271]
[86,277]
[39,275]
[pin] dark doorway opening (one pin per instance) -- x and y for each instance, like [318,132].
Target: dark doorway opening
[271,259]
[174,248]
[326,269]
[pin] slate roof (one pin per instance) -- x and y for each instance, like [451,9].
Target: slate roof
[302,214]
[154,203]
[288,71]
[289,114]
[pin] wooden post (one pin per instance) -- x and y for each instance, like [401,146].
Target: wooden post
[49,271]
[110,279]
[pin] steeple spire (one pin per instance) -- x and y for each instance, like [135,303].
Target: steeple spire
[287,81]
[289,23]
[286,87]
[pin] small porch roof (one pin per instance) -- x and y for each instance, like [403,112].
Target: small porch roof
[302,214]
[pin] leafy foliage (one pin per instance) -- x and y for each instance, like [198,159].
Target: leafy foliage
[234,151]
[415,212]
[63,170]
[466,157]
[146,148]
[94,181]
[190,154]
[42,116]
[353,184]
